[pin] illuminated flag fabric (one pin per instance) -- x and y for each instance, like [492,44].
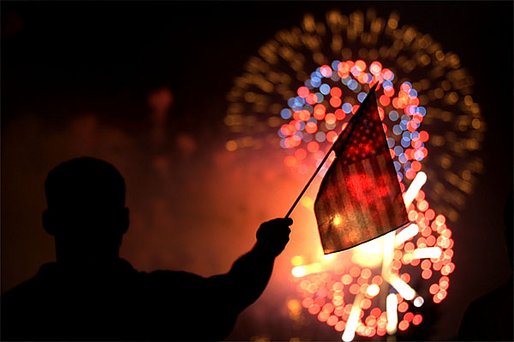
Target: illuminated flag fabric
[359,198]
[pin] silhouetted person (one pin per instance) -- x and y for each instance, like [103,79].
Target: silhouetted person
[90,293]
[490,317]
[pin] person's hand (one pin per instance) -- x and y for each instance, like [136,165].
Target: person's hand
[273,236]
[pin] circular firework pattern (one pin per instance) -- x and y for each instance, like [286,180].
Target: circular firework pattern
[442,86]
[381,289]
[425,103]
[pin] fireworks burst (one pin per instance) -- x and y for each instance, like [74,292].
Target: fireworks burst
[425,103]
[256,111]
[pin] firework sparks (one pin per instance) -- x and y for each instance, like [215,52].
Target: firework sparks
[422,89]
[347,52]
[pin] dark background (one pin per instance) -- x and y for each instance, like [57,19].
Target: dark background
[61,61]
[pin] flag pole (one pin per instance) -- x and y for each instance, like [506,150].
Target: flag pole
[372,88]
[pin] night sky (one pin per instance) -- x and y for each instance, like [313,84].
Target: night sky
[76,79]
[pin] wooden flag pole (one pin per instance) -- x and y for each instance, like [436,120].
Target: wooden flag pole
[372,88]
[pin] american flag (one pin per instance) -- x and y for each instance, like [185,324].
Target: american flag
[359,198]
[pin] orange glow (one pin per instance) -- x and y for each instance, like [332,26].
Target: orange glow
[366,273]
[410,174]
[323,316]
[426,274]
[440,220]
[355,271]
[375,68]
[340,326]
[408,316]
[371,321]
[347,279]
[423,205]
[384,100]
[319,111]
[311,127]
[430,214]
[335,102]
[304,115]
[332,320]
[361,65]
[340,115]
[405,277]
[303,92]
[389,92]
[336,92]
[355,289]
[377,280]
[403,325]
[423,136]
[366,303]
[314,309]
[300,154]
[312,99]
[417,319]
[290,161]
[313,147]
[330,118]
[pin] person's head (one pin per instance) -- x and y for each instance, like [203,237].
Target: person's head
[86,210]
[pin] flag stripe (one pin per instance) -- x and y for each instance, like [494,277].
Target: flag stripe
[361,211]
[388,203]
[370,165]
[350,216]
[397,216]
[364,197]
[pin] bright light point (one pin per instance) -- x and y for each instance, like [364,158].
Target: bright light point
[231,145]
[373,290]
[402,287]
[410,231]
[307,202]
[369,254]
[298,271]
[418,301]
[301,271]
[414,188]
[337,220]
[392,313]
[297,260]
[425,253]
[329,257]
[388,254]
[353,320]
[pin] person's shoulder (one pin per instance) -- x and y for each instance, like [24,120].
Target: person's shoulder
[25,293]
[27,286]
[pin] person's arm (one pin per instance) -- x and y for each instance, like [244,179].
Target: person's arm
[250,274]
